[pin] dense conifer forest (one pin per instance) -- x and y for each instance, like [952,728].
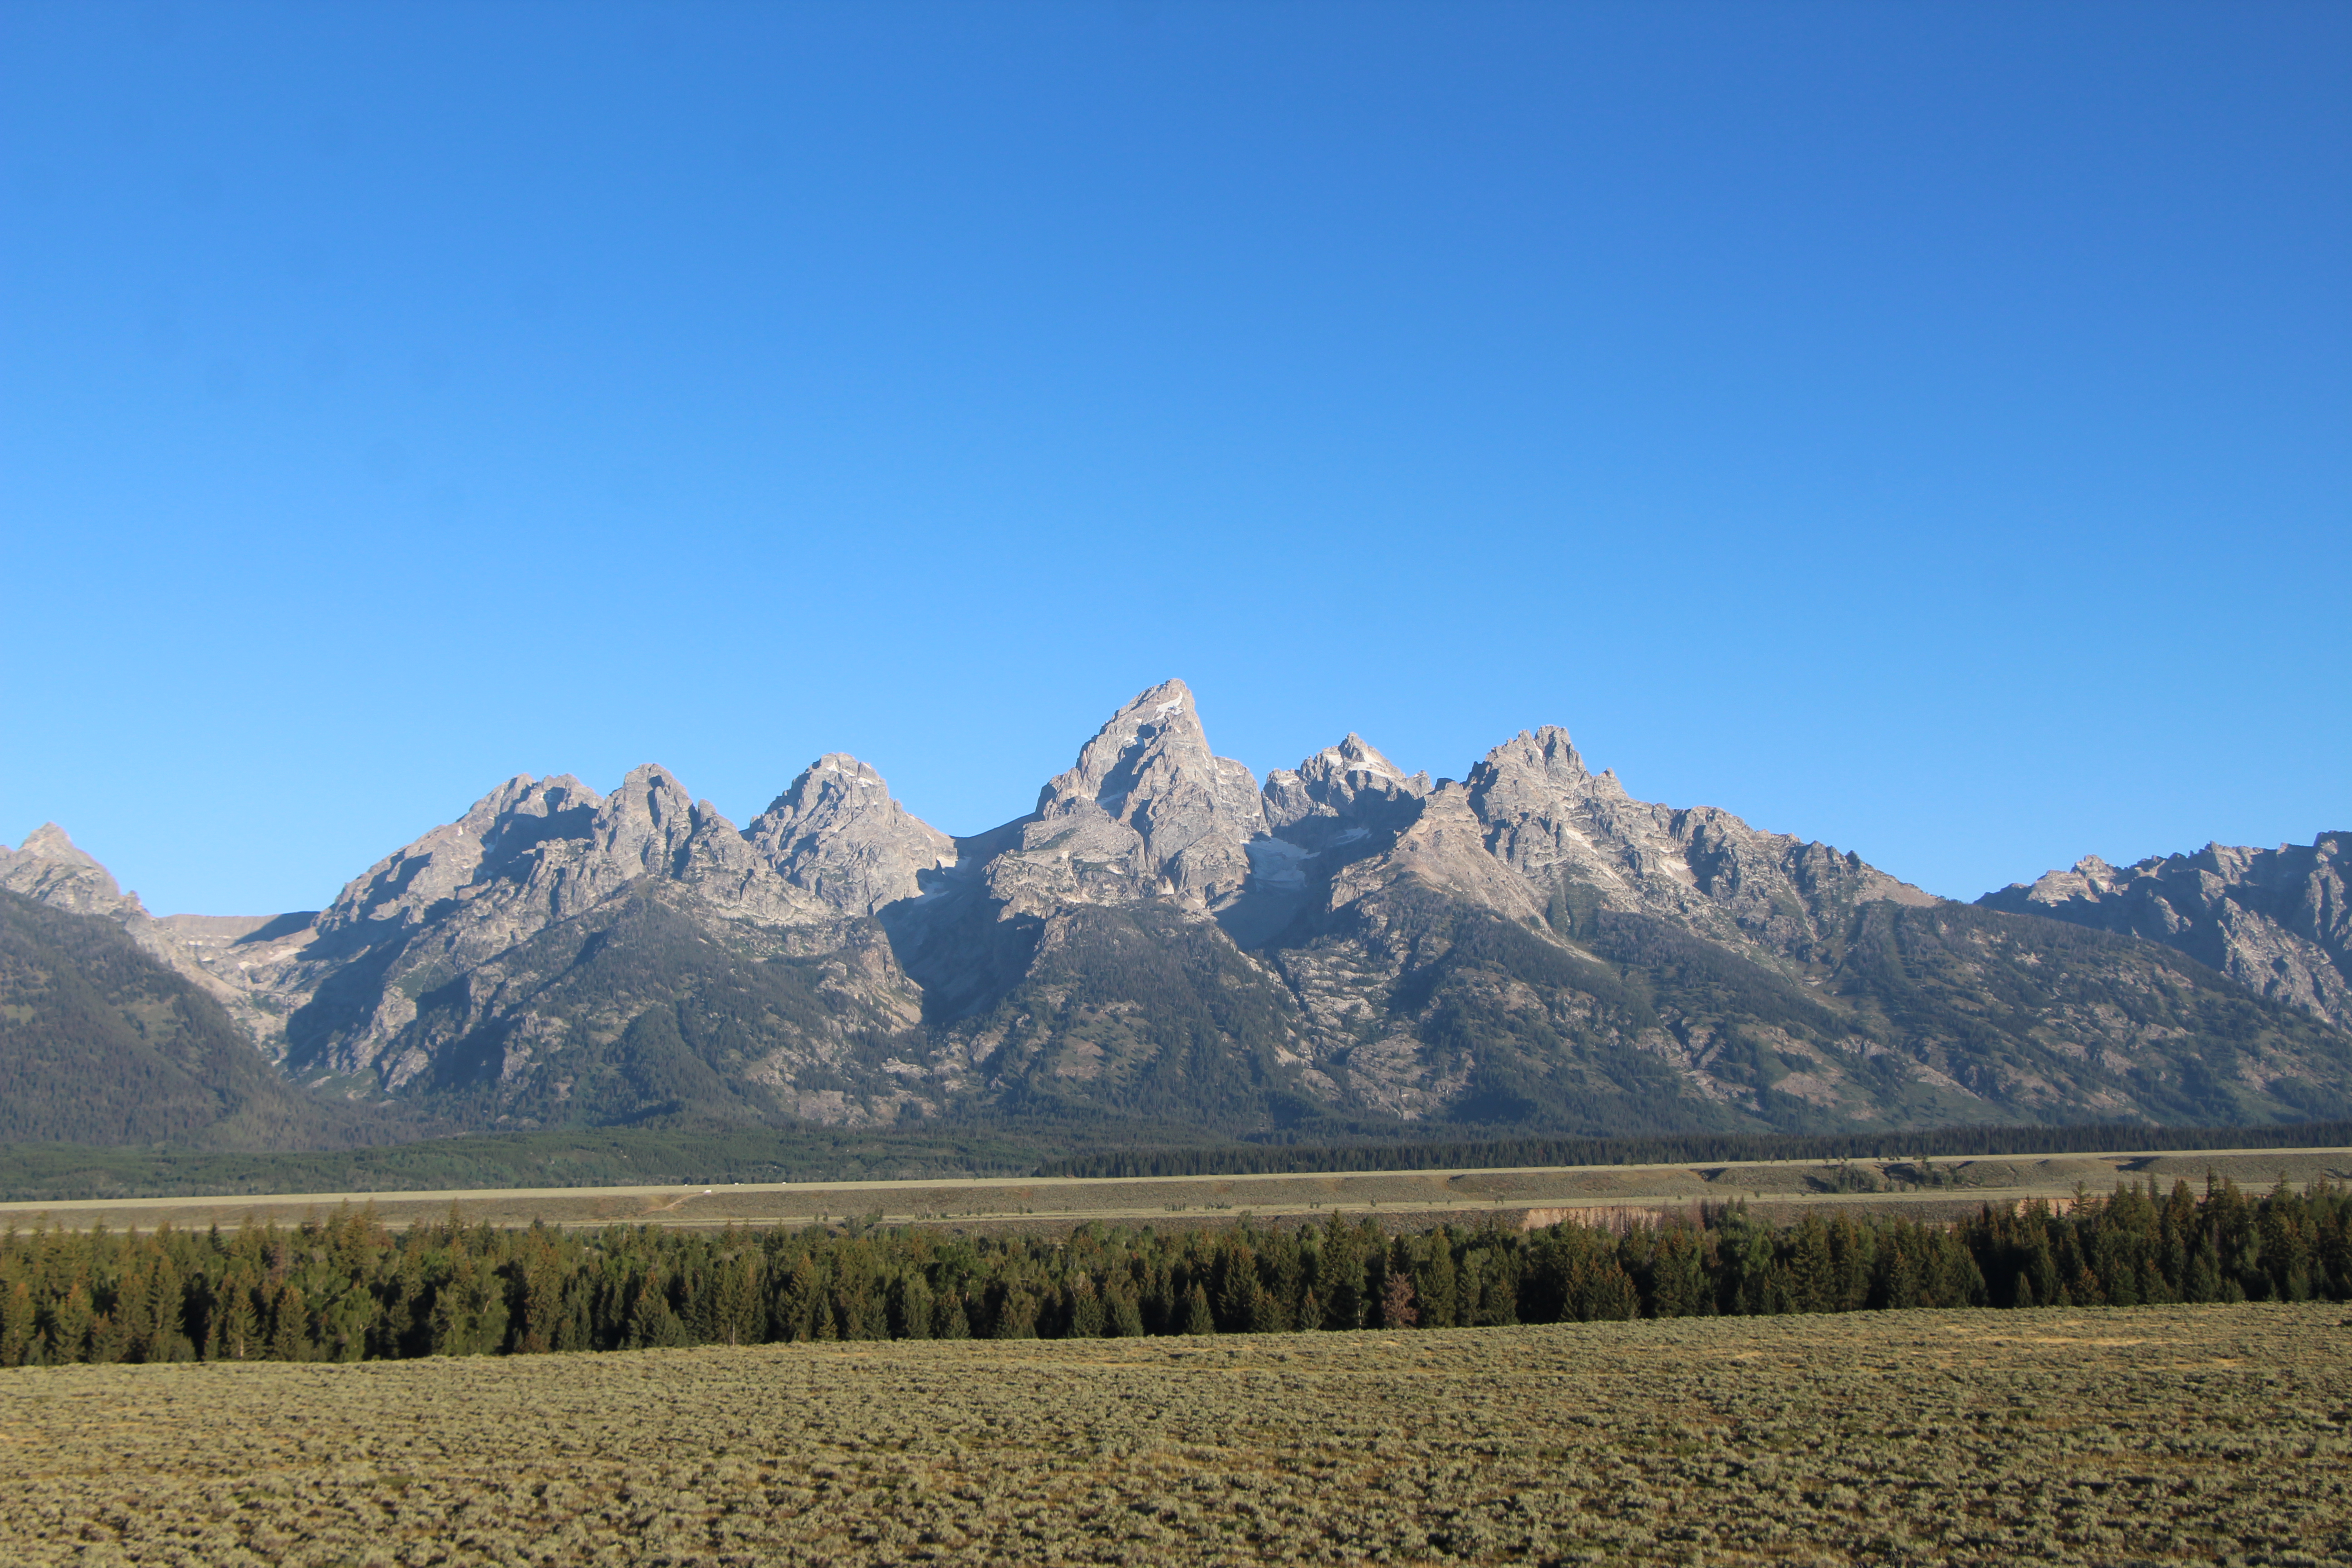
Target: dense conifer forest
[347,1288]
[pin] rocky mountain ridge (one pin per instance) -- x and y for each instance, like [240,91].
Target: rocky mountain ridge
[1164,936]
[2276,921]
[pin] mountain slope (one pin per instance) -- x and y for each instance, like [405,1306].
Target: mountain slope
[1164,939]
[101,1043]
[2276,921]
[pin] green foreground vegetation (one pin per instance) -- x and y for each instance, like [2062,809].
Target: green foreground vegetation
[348,1288]
[2157,1435]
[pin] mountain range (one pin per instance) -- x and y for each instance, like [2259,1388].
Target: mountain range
[1343,946]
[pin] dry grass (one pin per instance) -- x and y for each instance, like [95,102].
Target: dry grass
[1414,1199]
[2184,1433]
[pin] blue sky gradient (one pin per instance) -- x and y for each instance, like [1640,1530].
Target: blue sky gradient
[1923,428]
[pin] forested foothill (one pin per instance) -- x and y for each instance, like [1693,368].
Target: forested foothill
[345,1288]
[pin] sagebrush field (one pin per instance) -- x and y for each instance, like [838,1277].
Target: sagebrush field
[2157,1434]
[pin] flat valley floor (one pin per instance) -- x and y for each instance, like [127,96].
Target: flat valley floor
[2146,1434]
[1539,1195]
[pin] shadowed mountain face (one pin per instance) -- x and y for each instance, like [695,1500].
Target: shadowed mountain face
[101,1043]
[1164,937]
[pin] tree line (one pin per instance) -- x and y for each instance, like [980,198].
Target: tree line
[345,1288]
[1271,1159]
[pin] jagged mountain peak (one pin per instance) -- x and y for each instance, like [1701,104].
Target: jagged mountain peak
[650,818]
[2088,878]
[541,850]
[1148,745]
[1545,752]
[1359,755]
[1530,943]
[1355,755]
[1146,810]
[1350,782]
[836,832]
[2279,921]
[838,770]
[48,866]
[50,842]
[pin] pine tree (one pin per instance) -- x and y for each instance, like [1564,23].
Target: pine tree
[70,1321]
[912,1309]
[109,1340]
[1436,1282]
[799,1306]
[16,1322]
[1087,1315]
[240,1325]
[289,1338]
[735,1300]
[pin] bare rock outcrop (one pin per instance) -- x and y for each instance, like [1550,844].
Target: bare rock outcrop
[1147,812]
[836,833]
[526,856]
[1351,785]
[2278,922]
[1163,938]
[532,852]
[49,869]
[1578,838]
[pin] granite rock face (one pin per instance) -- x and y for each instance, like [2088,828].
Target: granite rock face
[531,856]
[50,870]
[837,834]
[1162,938]
[1581,841]
[2279,921]
[1148,812]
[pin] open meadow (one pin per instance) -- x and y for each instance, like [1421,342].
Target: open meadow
[1539,1194]
[2187,1434]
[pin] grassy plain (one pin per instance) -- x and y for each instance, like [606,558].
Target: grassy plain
[1777,1190]
[2150,1435]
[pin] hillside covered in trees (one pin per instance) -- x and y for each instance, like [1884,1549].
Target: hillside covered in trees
[101,1043]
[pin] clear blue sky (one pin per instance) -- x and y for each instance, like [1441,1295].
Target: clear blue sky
[1927,428]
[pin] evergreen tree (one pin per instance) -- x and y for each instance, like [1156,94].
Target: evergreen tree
[17,1322]
[912,1309]
[1087,1315]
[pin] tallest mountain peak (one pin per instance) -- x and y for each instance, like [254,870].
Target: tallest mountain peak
[1153,810]
[1157,733]
[1168,704]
